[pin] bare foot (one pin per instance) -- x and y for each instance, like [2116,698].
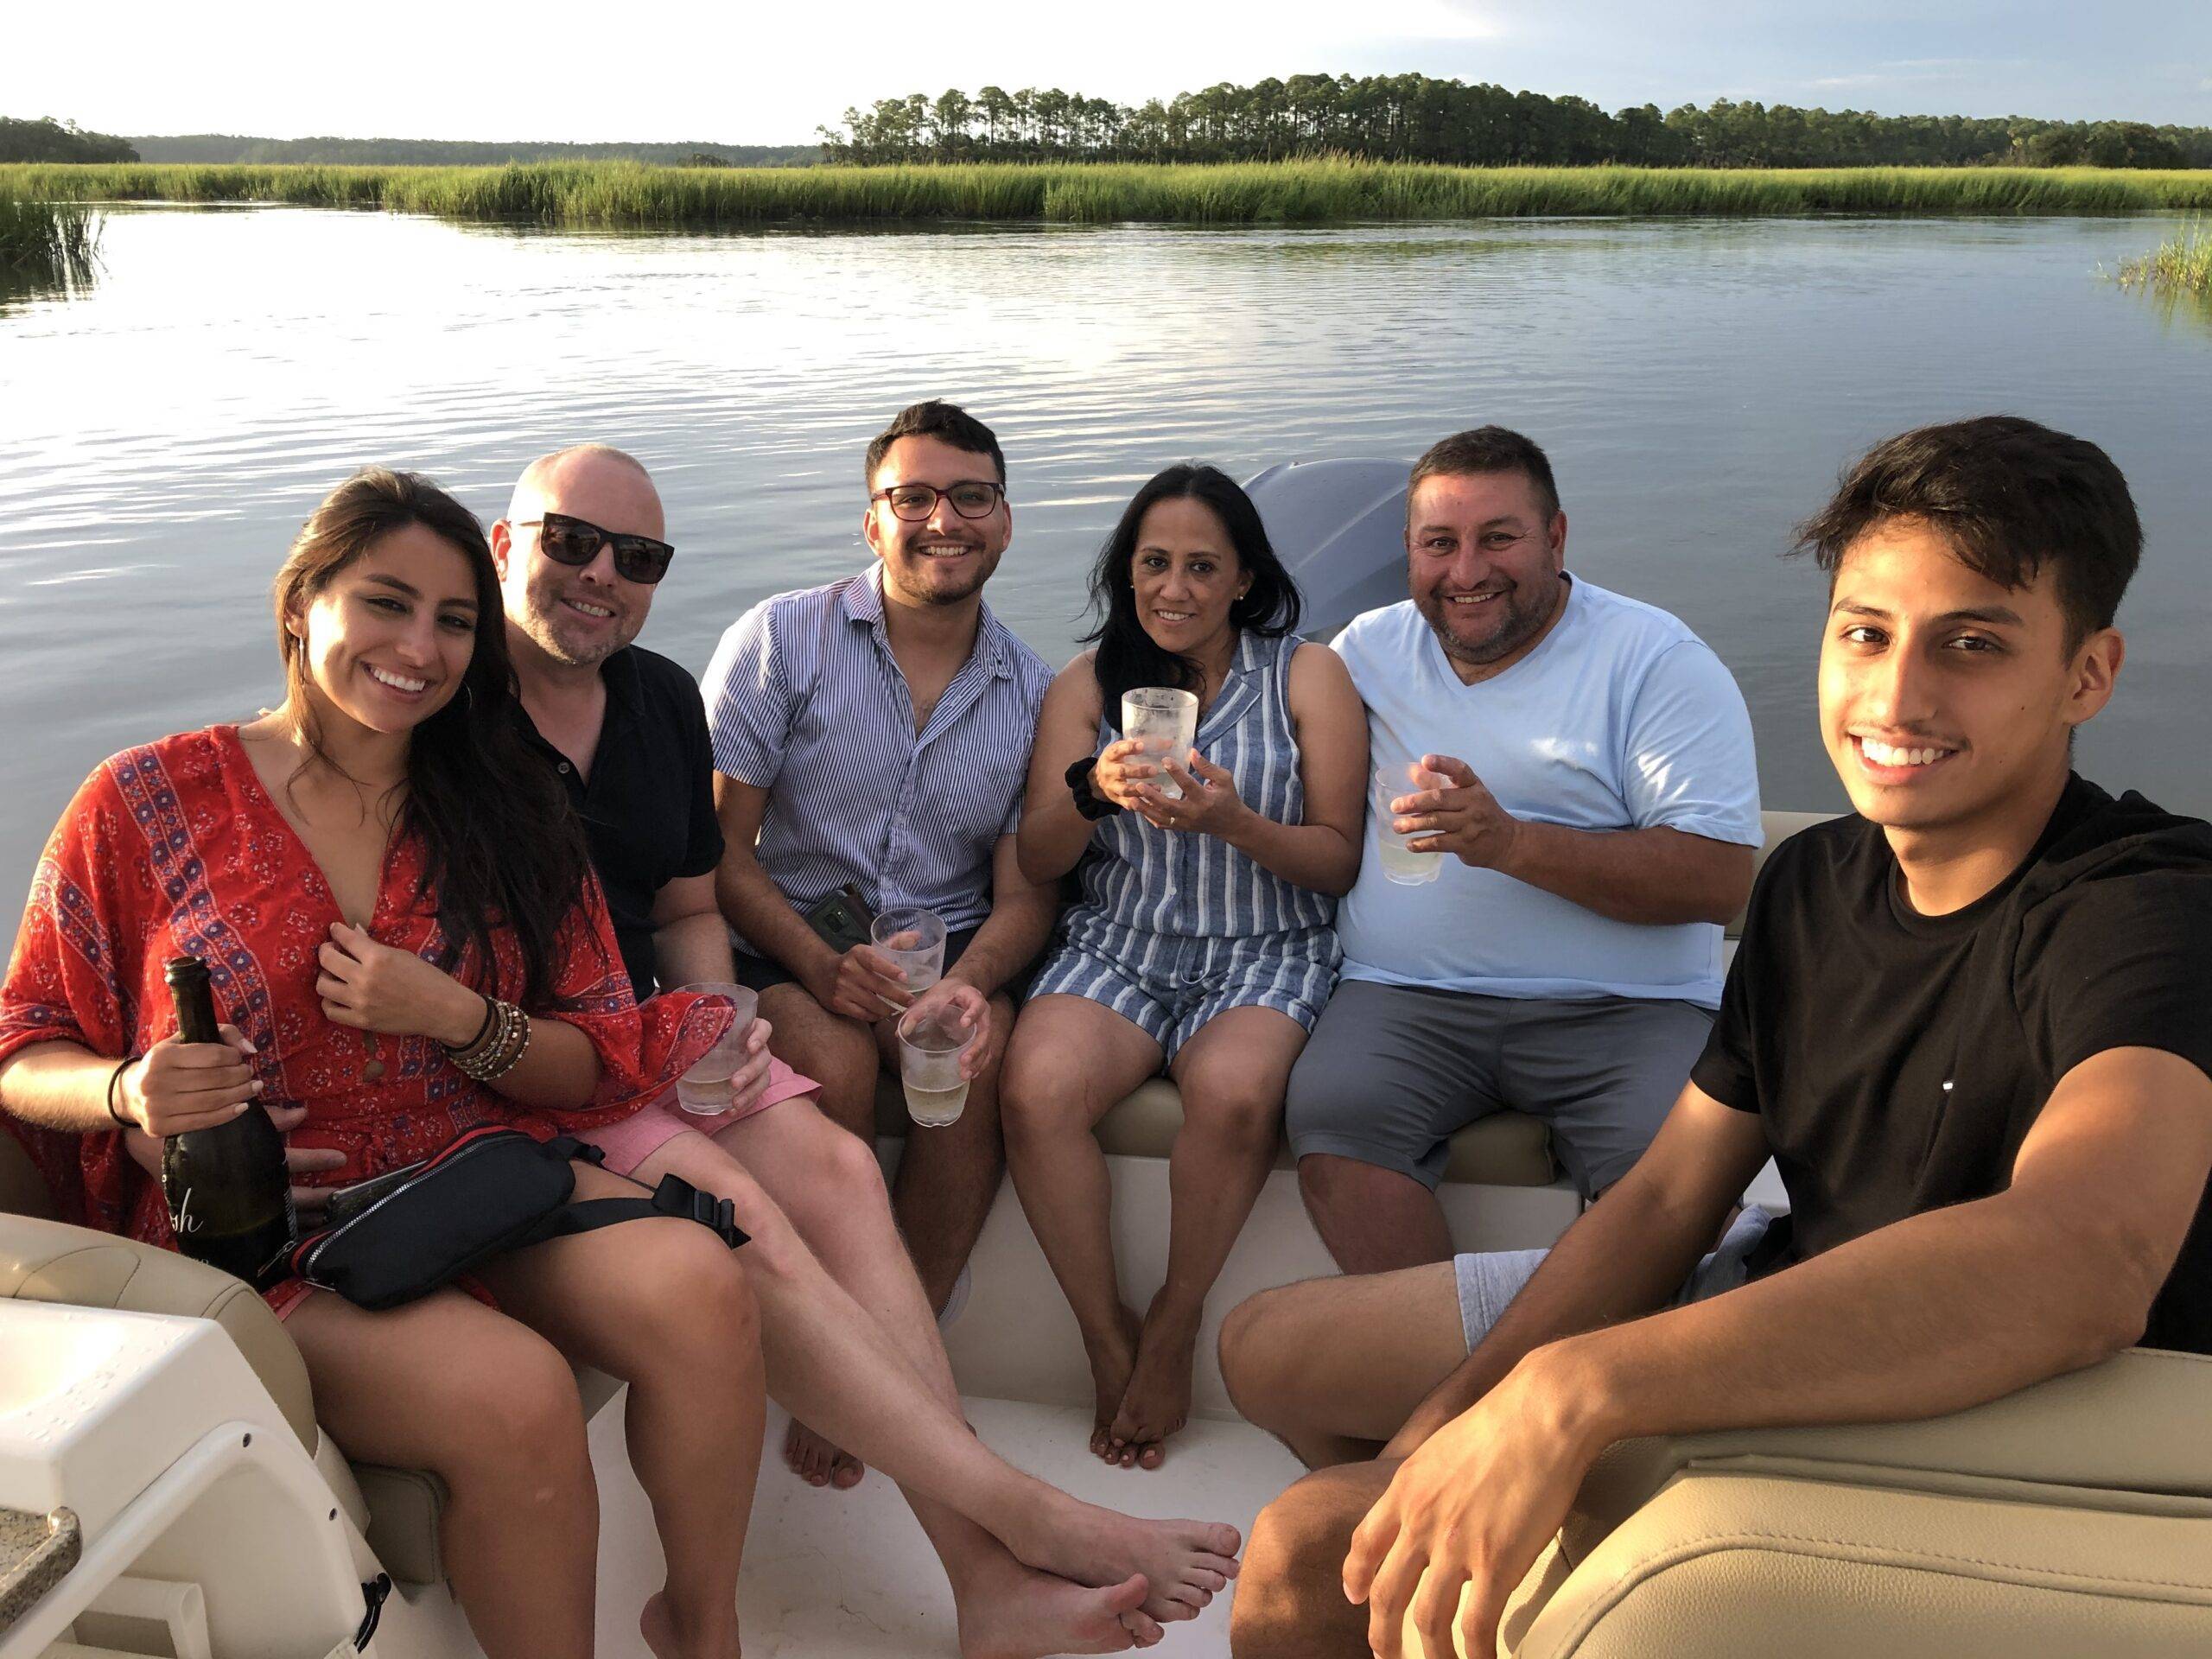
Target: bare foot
[1011,1611]
[818,1462]
[658,1625]
[1184,1563]
[1112,1359]
[1158,1400]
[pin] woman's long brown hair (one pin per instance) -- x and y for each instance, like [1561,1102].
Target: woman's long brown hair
[504,848]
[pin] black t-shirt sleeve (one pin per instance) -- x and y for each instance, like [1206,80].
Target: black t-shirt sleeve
[2122,959]
[1726,1070]
[703,847]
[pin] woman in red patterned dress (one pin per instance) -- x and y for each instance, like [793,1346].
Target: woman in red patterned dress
[365,871]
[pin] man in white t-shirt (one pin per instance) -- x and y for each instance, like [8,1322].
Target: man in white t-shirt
[1594,828]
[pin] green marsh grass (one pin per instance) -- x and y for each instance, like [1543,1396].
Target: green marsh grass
[2182,264]
[45,244]
[620,194]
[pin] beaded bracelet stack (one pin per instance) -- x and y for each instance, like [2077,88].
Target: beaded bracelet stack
[498,1045]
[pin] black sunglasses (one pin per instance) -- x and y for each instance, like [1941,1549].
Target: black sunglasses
[572,541]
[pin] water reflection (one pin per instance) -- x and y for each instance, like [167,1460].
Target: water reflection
[1698,383]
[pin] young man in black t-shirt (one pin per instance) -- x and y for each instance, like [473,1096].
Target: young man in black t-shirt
[1972,1024]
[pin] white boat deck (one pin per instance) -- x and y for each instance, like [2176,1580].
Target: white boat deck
[849,1575]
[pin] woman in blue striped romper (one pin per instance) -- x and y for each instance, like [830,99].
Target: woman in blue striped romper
[1203,940]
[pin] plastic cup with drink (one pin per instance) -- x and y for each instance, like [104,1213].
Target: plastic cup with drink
[1400,863]
[704,1089]
[913,938]
[931,1043]
[1165,721]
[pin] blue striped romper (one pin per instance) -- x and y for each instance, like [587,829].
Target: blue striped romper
[1173,928]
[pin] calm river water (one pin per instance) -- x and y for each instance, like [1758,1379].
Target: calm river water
[1697,382]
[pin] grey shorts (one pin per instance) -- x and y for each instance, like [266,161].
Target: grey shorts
[1490,1279]
[1392,1072]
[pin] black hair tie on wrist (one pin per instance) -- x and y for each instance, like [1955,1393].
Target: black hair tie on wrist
[1088,801]
[114,1078]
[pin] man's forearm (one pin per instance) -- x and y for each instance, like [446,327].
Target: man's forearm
[1626,1255]
[1931,1314]
[756,908]
[693,950]
[1656,877]
[1008,940]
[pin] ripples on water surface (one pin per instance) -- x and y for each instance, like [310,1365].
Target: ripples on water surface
[1697,382]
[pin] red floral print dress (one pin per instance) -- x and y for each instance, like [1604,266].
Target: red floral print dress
[175,849]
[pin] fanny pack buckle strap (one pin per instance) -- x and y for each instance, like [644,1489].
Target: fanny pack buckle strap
[677,1196]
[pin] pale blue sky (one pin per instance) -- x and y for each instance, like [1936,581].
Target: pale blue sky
[755,74]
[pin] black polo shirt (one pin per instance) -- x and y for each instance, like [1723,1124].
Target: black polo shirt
[649,808]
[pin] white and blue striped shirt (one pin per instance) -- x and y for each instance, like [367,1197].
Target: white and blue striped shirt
[805,701]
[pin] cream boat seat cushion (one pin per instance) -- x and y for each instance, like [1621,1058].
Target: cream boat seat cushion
[2073,1516]
[45,1260]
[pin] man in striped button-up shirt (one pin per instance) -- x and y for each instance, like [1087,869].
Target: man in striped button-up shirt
[877,732]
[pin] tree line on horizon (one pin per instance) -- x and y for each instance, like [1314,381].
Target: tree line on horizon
[1415,117]
[215,148]
[50,140]
[1410,117]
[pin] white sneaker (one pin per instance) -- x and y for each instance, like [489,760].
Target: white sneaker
[957,1301]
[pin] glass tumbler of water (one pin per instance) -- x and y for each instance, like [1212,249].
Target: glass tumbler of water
[931,1043]
[1400,863]
[704,1089]
[914,939]
[1165,721]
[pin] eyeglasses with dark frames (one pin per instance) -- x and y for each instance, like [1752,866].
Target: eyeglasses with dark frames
[569,540]
[971,499]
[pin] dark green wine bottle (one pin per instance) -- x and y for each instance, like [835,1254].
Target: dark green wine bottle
[230,1195]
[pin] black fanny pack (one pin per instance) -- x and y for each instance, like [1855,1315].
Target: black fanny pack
[395,1238]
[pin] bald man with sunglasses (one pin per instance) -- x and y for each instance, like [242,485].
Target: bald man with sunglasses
[579,555]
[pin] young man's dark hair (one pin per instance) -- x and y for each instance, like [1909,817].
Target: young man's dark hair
[2010,496]
[1487,449]
[948,423]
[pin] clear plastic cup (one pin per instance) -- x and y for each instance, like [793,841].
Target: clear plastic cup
[913,938]
[931,1043]
[1165,721]
[1399,862]
[704,1089]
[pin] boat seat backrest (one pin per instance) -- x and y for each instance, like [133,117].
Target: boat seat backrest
[43,1260]
[2072,1516]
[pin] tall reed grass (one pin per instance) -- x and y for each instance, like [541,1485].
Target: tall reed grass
[45,244]
[627,194]
[2182,264]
